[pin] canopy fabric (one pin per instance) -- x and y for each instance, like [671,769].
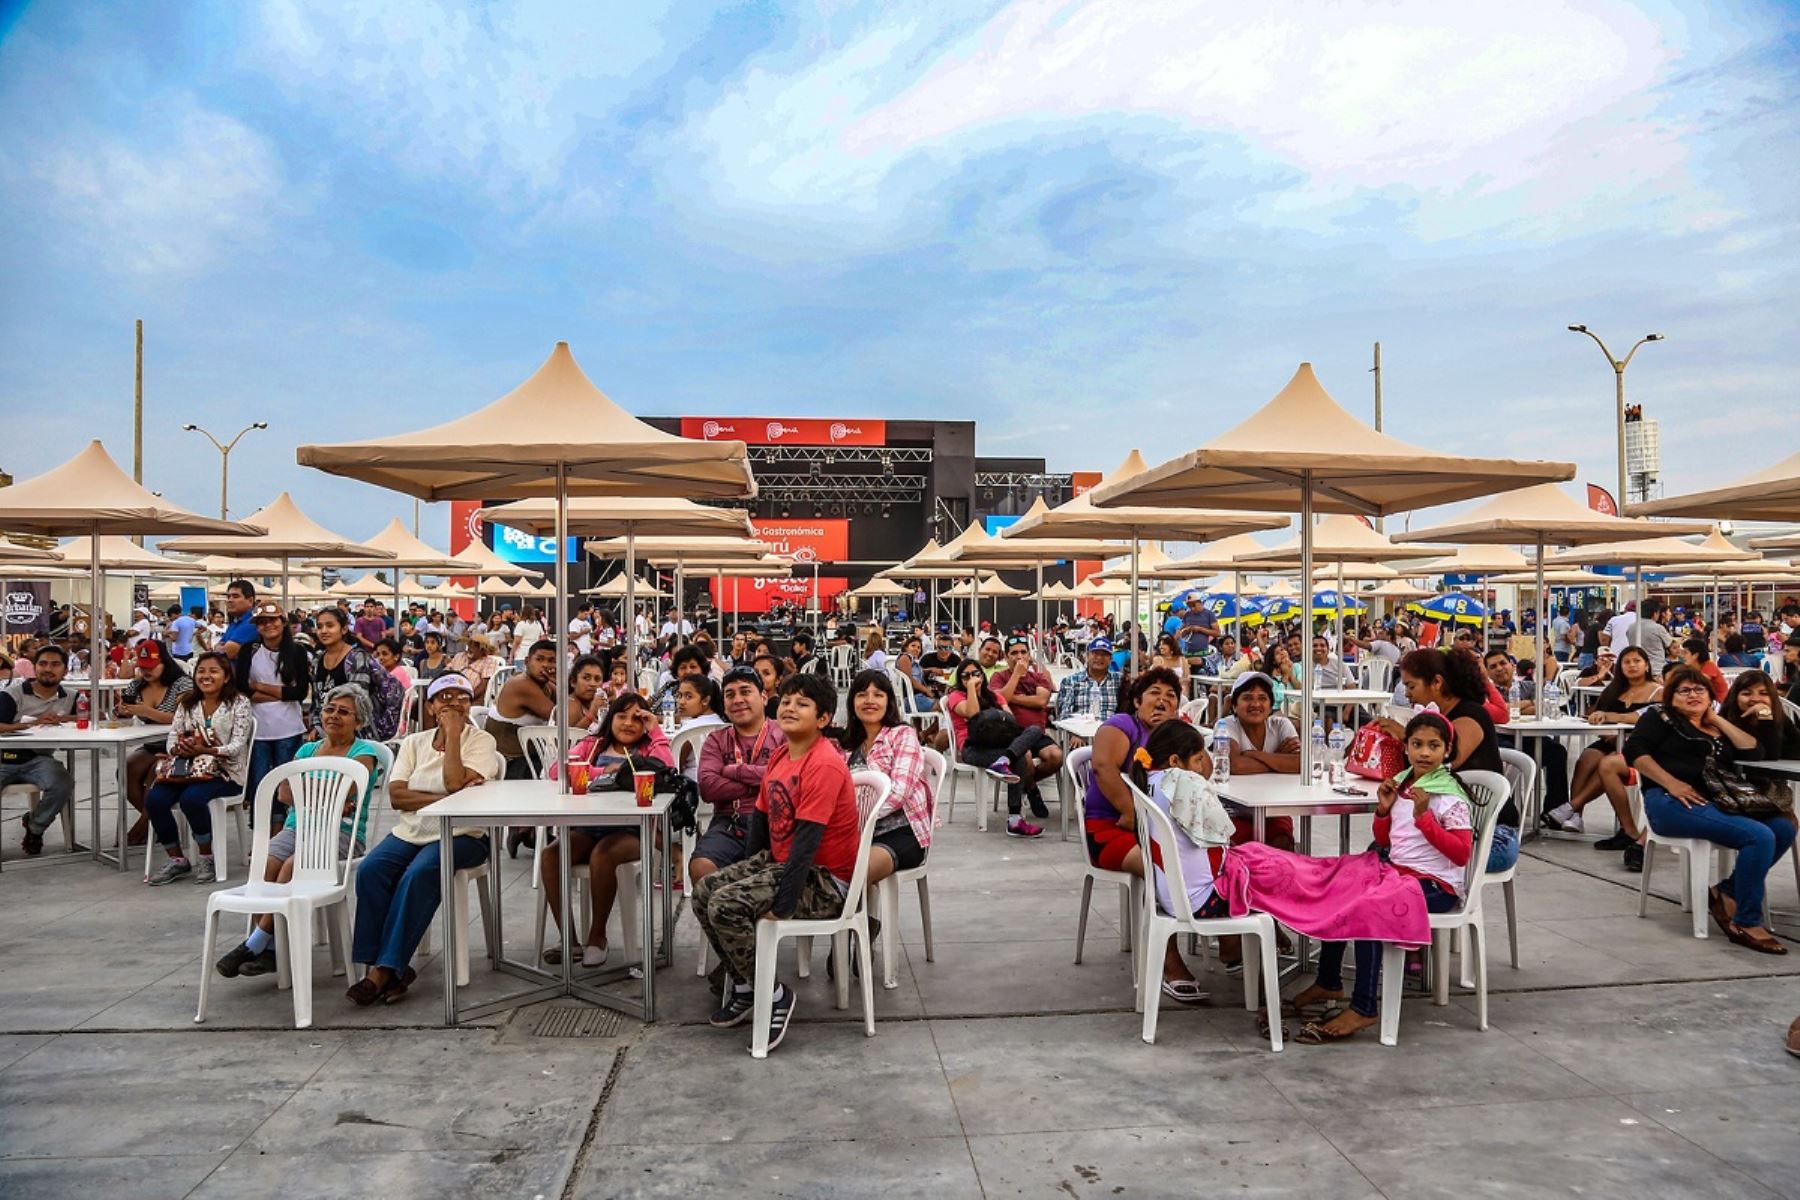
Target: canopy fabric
[488,564]
[1452,607]
[991,587]
[1324,604]
[772,567]
[1221,555]
[1057,590]
[1281,589]
[373,586]
[1758,570]
[119,555]
[1640,553]
[1560,577]
[1005,552]
[1227,609]
[1475,560]
[1151,558]
[229,566]
[1337,538]
[1548,514]
[879,587]
[1098,589]
[1772,494]
[288,532]
[678,549]
[943,562]
[508,450]
[613,516]
[1303,440]
[614,588]
[12,552]
[1081,518]
[1400,589]
[89,494]
[408,553]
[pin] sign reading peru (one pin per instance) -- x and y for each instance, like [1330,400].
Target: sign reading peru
[791,431]
[821,540]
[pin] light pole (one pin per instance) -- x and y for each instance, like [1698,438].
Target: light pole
[1618,366]
[225,449]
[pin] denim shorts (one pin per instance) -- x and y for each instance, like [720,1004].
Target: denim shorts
[1506,848]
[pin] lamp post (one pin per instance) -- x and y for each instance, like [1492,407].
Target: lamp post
[224,449]
[1618,366]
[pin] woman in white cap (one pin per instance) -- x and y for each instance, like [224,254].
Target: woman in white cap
[397,884]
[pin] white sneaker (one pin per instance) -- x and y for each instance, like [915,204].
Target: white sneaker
[1564,819]
[204,871]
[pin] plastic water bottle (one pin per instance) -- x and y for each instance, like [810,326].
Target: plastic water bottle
[668,711]
[1339,741]
[1318,751]
[1221,758]
[1553,699]
[1515,697]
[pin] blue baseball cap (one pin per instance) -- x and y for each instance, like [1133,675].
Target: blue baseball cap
[1100,645]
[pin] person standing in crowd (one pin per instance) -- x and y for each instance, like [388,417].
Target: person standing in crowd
[240,630]
[27,704]
[581,629]
[370,628]
[337,662]
[276,675]
[181,634]
[1653,635]
[528,631]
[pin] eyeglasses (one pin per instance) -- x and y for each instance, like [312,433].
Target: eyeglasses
[1694,689]
[462,698]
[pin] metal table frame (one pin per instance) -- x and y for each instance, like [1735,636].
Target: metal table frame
[121,740]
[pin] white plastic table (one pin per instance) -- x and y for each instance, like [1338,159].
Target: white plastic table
[120,739]
[539,802]
[1080,725]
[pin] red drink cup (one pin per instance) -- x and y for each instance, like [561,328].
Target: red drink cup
[82,724]
[578,778]
[644,783]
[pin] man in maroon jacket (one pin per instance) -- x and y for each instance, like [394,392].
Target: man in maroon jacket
[733,761]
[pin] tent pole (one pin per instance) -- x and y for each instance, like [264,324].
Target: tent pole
[1306,663]
[1042,643]
[719,605]
[562,625]
[1132,612]
[631,646]
[1543,604]
[96,662]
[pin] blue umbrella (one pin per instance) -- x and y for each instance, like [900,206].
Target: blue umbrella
[1451,606]
[1326,603]
[1228,608]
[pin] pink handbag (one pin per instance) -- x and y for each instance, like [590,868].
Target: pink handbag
[1374,753]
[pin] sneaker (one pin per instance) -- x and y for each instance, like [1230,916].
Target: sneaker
[1038,808]
[734,1010]
[715,979]
[1618,841]
[1564,819]
[1634,858]
[172,870]
[781,1011]
[1020,828]
[260,964]
[1001,769]
[232,964]
[204,872]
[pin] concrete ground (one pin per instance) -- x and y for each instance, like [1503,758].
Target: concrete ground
[1624,1059]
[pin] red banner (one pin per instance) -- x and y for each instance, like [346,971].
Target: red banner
[1601,500]
[822,539]
[758,595]
[785,431]
[465,531]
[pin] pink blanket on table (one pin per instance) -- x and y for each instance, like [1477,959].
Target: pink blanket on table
[1332,899]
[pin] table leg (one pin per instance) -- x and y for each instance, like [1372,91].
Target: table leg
[447,911]
[495,939]
[647,828]
[666,955]
[120,754]
[568,915]
[1343,834]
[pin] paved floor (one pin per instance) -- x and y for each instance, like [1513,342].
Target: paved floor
[1624,1058]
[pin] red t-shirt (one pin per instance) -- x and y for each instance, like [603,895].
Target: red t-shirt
[1716,677]
[1034,680]
[814,787]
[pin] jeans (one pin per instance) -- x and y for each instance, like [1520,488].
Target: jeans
[397,894]
[1031,737]
[162,798]
[1505,853]
[55,785]
[1555,768]
[1584,660]
[1759,841]
[265,756]
[1366,997]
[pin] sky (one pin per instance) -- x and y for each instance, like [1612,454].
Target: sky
[1090,226]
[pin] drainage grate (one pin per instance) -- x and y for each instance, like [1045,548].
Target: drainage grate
[567,1022]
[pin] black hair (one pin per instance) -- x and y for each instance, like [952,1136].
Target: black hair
[623,702]
[1617,685]
[801,638]
[227,693]
[1133,691]
[1734,643]
[542,644]
[1697,647]
[169,671]
[1171,739]
[816,688]
[244,586]
[588,660]
[1441,723]
[336,613]
[854,733]
[708,690]
[51,648]
[1777,709]
[1246,683]
[1459,669]
[689,653]
[984,695]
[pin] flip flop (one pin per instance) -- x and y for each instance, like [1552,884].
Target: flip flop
[1317,1010]
[1316,1034]
[1262,1025]
[1185,991]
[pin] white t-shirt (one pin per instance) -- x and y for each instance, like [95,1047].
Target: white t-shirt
[421,765]
[583,633]
[1385,649]
[274,718]
[525,635]
[139,631]
[1276,730]
[668,628]
[1408,848]
[1619,630]
[1196,860]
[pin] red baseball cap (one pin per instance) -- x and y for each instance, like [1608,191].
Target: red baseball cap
[147,654]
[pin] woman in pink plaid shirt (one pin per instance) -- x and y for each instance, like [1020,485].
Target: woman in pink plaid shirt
[879,738]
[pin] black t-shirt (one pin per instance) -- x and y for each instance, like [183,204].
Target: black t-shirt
[941,661]
[1677,747]
[1590,638]
[1486,756]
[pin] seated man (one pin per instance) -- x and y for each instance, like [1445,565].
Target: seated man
[1328,672]
[1502,673]
[26,704]
[397,888]
[804,837]
[733,761]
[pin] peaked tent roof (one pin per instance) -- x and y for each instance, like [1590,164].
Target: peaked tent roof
[12,552]
[1337,538]
[1474,560]
[674,549]
[119,555]
[488,563]
[1644,552]
[1548,513]
[1771,494]
[1081,517]
[89,494]
[1221,555]
[288,532]
[508,449]
[409,552]
[1303,439]
[613,516]
[1007,552]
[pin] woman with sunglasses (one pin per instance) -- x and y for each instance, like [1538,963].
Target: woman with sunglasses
[1002,746]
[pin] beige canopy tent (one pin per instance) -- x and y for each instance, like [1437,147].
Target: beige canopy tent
[1081,517]
[1151,559]
[1637,554]
[1401,589]
[1005,553]
[1561,577]
[89,496]
[617,588]
[411,554]
[119,555]
[1772,494]
[227,566]
[289,534]
[12,552]
[879,588]
[685,554]
[1302,452]
[991,585]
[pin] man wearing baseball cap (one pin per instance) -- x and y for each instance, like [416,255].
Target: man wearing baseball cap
[1096,690]
[275,673]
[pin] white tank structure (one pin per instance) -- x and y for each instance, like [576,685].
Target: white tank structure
[1643,458]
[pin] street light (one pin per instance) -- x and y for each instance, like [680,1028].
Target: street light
[224,449]
[1618,366]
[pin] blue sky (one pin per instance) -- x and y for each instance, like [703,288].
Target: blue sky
[1090,226]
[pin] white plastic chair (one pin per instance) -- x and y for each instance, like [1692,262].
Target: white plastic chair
[384,766]
[872,789]
[1079,767]
[320,787]
[959,768]
[907,695]
[217,809]
[496,681]
[888,890]
[1159,926]
[65,818]
[1488,794]
[1697,855]
[1521,776]
[412,708]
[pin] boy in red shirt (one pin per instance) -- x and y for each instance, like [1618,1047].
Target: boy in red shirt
[804,836]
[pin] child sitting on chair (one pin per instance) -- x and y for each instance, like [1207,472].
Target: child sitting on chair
[1424,821]
[804,838]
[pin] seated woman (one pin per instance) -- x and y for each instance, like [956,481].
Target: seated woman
[879,738]
[1263,742]
[1281,668]
[698,705]
[628,731]
[1424,818]
[587,700]
[1674,748]
[1736,653]
[477,663]
[389,653]
[213,722]
[433,662]
[152,698]
[1168,654]
[1600,769]
[1006,748]
[397,889]
[1694,653]
[345,710]
[1754,705]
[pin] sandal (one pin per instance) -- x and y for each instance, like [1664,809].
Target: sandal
[395,991]
[1185,991]
[1316,1010]
[1767,944]
[1316,1033]
[363,992]
[1262,1024]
